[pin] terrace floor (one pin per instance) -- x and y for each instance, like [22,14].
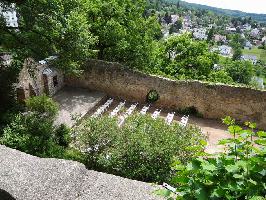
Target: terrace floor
[75,102]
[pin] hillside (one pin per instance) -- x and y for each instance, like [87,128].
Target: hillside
[232,13]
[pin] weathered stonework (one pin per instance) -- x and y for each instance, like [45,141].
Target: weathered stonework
[36,79]
[211,100]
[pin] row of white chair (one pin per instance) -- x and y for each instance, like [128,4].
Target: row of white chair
[184,120]
[117,109]
[169,118]
[102,109]
[129,111]
[155,115]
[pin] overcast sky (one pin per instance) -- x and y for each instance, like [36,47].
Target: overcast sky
[251,6]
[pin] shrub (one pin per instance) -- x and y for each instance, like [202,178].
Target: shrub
[62,135]
[142,149]
[238,173]
[42,105]
[152,96]
[34,133]
[74,154]
[192,110]
[28,133]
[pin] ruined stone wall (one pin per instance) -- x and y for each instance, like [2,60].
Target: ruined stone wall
[31,80]
[212,101]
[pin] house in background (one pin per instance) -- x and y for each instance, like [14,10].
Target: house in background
[230,29]
[259,82]
[263,39]
[38,78]
[248,45]
[10,15]
[219,38]
[255,33]
[251,58]
[225,50]
[174,18]
[200,33]
[246,27]
[5,59]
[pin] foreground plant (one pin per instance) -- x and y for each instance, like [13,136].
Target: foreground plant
[239,173]
[142,149]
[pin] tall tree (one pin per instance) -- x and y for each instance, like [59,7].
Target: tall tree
[123,34]
[178,4]
[210,34]
[237,53]
[51,27]
[187,58]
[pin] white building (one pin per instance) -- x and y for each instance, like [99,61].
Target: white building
[225,50]
[174,18]
[200,34]
[10,16]
[248,44]
[247,27]
[255,32]
[230,29]
[250,58]
[263,39]
[259,81]
[219,38]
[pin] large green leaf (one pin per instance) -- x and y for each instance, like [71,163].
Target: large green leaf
[261,142]
[231,168]
[261,133]
[208,166]
[201,194]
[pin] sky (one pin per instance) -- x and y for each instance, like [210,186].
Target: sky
[251,6]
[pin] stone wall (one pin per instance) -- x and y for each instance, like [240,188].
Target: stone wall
[211,100]
[37,79]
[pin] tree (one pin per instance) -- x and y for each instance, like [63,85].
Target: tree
[237,53]
[210,34]
[139,149]
[123,34]
[32,132]
[187,58]
[178,4]
[237,43]
[176,26]
[240,71]
[167,18]
[48,28]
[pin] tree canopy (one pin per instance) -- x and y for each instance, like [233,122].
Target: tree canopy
[78,29]
[188,58]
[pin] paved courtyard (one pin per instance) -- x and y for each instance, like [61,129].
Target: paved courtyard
[79,102]
[75,102]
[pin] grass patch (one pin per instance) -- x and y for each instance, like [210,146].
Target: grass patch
[260,53]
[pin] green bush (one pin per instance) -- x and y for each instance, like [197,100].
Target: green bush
[142,149]
[42,105]
[62,135]
[34,133]
[152,96]
[74,154]
[238,173]
[28,133]
[192,110]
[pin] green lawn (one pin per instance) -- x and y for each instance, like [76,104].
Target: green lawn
[260,53]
